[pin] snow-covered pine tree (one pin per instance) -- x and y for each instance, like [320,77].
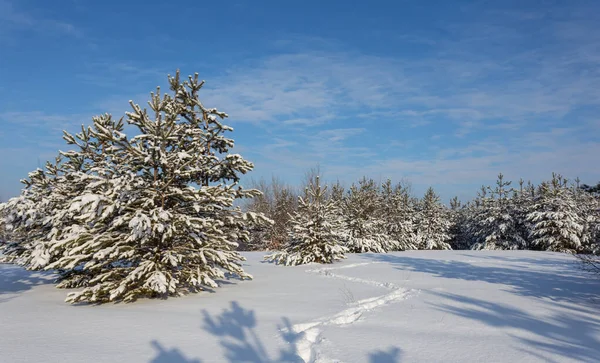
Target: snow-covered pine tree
[477,212]
[499,229]
[522,201]
[156,217]
[337,193]
[3,231]
[397,215]
[556,225]
[316,230]
[459,215]
[362,220]
[433,223]
[14,215]
[25,217]
[81,176]
[588,208]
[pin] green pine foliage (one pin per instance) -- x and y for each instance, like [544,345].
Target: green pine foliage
[315,234]
[361,207]
[433,223]
[499,226]
[148,216]
[556,225]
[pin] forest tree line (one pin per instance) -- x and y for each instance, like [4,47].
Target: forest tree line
[555,215]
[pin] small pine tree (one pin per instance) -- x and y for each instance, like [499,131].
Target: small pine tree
[593,189]
[397,213]
[433,223]
[25,217]
[316,231]
[459,224]
[363,225]
[499,229]
[588,208]
[556,225]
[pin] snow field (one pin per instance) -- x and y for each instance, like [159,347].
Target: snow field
[416,306]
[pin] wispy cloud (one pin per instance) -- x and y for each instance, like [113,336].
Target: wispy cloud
[42,120]
[487,99]
[288,88]
[123,75]
[14,20]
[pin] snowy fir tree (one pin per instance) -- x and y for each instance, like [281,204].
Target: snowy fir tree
[592,189]
[522,203]
[475,213]
[25,217]
[499,228]
[363,224]
[556,225]
[337,193]
[316,231]
[397,215]
[433,223]
[150,216]
[459,226]
[588,207]
[3,231]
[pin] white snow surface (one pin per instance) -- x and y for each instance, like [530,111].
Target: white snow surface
[416,306]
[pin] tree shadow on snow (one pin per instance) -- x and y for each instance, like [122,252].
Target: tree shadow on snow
[559,285]
[170,356]
[15,280]
[563,335]
[392,355]
[555,260]
[236,329]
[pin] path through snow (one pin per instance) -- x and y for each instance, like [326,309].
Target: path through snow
[312,331]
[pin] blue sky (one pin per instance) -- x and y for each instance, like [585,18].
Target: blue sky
[441,93]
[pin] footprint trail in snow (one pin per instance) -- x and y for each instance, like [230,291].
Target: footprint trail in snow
[311,331]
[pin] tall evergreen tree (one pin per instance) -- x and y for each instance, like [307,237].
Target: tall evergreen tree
[152,215]
[316,230]
[433,223]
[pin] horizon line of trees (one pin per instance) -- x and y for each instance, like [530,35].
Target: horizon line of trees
[555,215]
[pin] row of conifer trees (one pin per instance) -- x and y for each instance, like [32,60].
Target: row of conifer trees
[369,217]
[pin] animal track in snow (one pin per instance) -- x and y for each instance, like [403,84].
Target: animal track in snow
[385,285]
[312,330]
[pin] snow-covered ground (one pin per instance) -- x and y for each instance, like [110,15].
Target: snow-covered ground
[419,306]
